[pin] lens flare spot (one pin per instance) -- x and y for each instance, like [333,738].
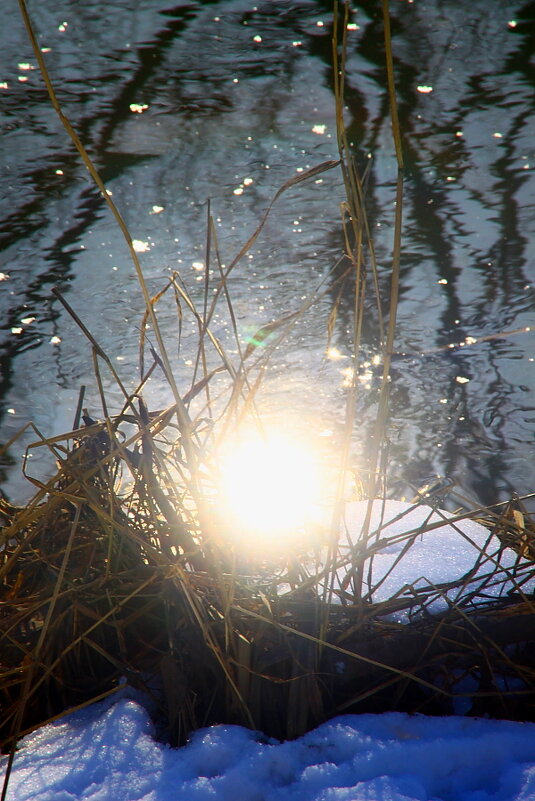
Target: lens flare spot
[270,487]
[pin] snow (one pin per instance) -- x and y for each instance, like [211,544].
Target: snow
[445,553]
[108,752]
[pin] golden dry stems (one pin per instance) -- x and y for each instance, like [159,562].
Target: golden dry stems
[98,585]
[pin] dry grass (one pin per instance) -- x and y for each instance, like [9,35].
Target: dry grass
[98,588]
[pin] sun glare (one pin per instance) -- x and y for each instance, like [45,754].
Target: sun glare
[270,489]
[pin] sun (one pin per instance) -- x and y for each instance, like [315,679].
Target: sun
[270,486]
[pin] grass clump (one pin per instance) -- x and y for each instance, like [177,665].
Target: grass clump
[101,587]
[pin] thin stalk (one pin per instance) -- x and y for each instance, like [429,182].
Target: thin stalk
[396,132]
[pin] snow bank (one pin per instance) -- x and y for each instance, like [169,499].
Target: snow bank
[108,754]
[446,553]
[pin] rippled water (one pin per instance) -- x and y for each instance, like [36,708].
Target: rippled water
[185,102]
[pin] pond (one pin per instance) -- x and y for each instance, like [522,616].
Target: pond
[188,102]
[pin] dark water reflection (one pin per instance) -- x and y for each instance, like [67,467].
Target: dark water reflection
[233,92]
